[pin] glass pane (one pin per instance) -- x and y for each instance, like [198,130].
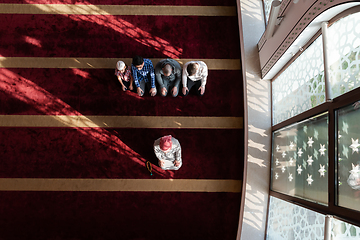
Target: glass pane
[344,231]
[348,125]
[344,54]
[288,221]
[300,159]
[301,86]
[267,8]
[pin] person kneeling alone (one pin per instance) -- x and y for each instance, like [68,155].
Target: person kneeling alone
[168,150]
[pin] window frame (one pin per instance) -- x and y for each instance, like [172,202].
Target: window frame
[341,213]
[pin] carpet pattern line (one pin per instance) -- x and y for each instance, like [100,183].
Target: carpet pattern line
[124,185]
[120,121]
[102,63]
[148,10]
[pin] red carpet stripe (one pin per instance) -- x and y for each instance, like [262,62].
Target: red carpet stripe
[132,2]
[122,36]
[97,92]
[116,153]
[118,215]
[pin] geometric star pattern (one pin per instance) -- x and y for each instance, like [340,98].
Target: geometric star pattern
[304,159]
[355,145]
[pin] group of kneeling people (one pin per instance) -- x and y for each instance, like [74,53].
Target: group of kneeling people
[168,75]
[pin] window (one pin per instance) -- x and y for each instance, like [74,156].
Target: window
[315,143]
[300,161]
[344,231]
[344,55]
[267,8]
[289,221]
[348,156]
[301,86]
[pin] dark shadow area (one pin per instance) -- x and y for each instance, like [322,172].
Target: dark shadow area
[114,215]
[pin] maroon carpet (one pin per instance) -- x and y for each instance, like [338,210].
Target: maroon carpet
[79,153]
[46,152]
[118,215]
[97,92]
[118,36]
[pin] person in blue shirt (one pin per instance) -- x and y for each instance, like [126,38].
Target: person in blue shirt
[143,74]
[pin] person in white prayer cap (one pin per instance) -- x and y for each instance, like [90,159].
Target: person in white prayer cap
[124,76]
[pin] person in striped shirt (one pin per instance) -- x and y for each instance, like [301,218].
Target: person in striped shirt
[124,76]
[168,151]
[143,74]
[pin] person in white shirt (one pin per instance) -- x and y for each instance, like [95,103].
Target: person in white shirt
[168,151]
[194,75]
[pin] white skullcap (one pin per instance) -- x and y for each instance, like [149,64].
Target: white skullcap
[120,65]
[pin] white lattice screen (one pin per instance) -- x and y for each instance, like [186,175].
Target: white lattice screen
[267,7]
[290,222]
[344,231]
[301,86]
[344,54]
